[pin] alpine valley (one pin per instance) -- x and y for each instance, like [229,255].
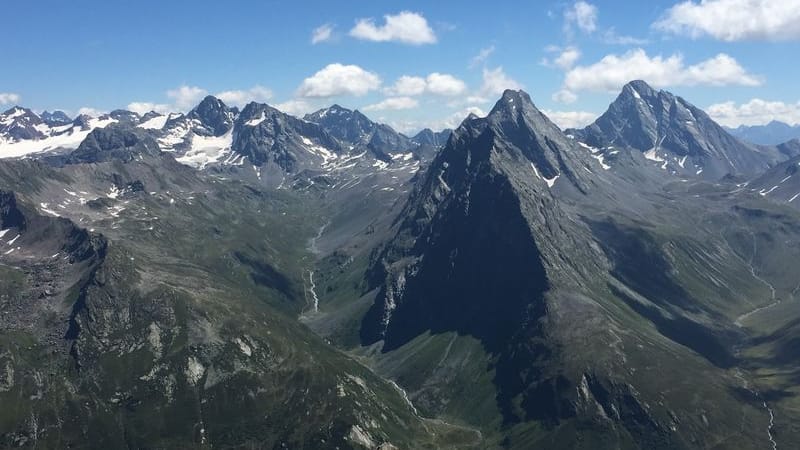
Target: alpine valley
[250,279]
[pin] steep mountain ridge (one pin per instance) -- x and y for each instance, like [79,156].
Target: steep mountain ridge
[668,130]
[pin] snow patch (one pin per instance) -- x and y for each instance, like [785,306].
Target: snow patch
[156,123]
[207,150]
[67,137]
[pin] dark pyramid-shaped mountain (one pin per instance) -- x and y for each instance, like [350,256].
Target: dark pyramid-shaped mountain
[211,117]
[214,114]
[680,137]
[483,194]
[501,242]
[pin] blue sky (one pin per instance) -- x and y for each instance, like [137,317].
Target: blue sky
[570,56]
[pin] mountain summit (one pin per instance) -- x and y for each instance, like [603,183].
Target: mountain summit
[667,129]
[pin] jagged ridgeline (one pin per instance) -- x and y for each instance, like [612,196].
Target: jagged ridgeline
[247,278]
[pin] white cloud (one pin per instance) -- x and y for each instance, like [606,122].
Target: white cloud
[570,119]
[455,119]
[734,20]
[444,84]
[393,103]
[406,27]
[322,33]
[583,15]
[495,81]
[408,85]
[9,97]
[146,107]
[89,111]
[754,112]
[564,96]
[186,97]
[614,71]
[435,83]
[339,79]
[610,36]
[481,57]
[240,98]
[567,57]
[296,107]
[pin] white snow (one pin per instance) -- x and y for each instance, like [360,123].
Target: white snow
[790,200]
[764,193]
[636,93]
[784,180]
[682,161]
[326,155]
[403,156]
[207,150]
[550,181]
[653,156]
[67,137]
[257,120]
[602,161]
[113,192]
[3,232]
[11,242]
[156,123]
[45,207]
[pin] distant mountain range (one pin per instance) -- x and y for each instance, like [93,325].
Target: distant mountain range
[246,278]
[773,133]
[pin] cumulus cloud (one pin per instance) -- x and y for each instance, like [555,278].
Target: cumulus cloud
[495,81]
[566,58]
[89,111]
[455,119]
[564,96]
[408,85]
[393,103]
[481,57]
[8,98]
[256,93]
[754,112]
[406,27]
[435,83]
[186,97]
[322,33]
[339,79]
[296,107]
[581,14]
[146,107]
[613,71]
[444,84]
[734,20]
[570,119]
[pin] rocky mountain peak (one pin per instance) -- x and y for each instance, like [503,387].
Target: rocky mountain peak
[56,118]
[214,114]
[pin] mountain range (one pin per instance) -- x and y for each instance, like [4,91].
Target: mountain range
[773,133]
[247,278]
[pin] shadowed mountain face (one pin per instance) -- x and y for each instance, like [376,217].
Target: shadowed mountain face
[673,132]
